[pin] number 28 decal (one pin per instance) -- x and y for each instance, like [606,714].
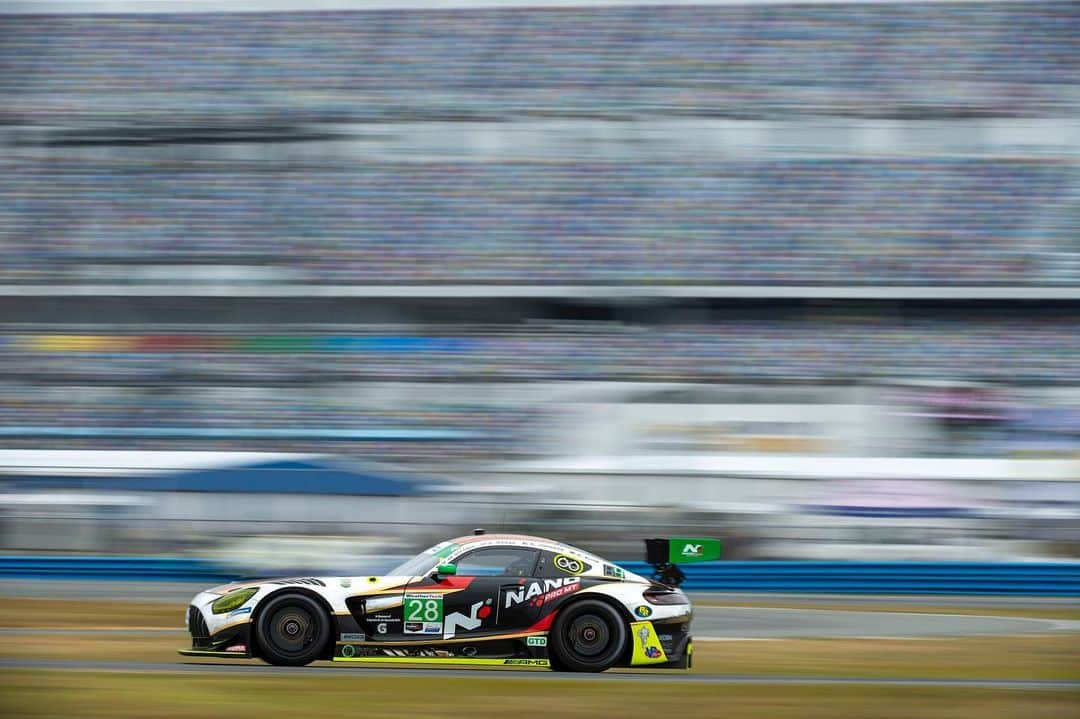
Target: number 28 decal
[423,608]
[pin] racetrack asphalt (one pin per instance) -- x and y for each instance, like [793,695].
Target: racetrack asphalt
[710,622]
[735,623]
[325,669]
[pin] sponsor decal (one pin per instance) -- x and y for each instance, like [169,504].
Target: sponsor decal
[423,613]
[238,612]
[237,648]
[348,650]
[381,627]
[353,637]
[647,648]
[611,570]
[536,641]
[456,620]
[346,583]
[643,611]
[692,550]
[442,549]
[540,591]
[570,565]
[526,662]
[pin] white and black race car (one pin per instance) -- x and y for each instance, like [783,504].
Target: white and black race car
[496,599]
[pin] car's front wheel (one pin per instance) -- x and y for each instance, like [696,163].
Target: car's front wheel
[292,630]
[587,636]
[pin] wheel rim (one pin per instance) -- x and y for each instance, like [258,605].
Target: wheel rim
[291,630]
[589,636]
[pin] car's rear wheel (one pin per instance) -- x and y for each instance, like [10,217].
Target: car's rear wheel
[292,630]
[587,636]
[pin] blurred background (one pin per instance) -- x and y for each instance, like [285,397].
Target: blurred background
[290,288]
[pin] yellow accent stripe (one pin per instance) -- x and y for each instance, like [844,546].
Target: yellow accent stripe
[449,660]
[211,653]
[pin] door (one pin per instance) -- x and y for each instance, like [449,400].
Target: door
[479,600]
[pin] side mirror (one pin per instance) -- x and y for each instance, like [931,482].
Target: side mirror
[446,570]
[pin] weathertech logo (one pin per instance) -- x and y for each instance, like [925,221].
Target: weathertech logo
[692,550]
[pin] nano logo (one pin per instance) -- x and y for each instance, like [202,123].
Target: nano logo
[692,550]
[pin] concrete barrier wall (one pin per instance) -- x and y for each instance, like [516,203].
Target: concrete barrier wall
[1057,578]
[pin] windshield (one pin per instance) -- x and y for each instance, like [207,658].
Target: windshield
[425,561]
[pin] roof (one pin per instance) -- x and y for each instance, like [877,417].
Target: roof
[528,540]
[471,538]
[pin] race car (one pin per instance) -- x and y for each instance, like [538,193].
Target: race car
[499,599]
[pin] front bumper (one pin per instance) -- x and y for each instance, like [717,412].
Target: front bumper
[231,640]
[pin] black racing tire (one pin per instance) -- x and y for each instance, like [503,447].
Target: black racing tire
[588,635]
[554,664]
[292,630]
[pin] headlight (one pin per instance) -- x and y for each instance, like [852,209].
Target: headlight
[233,600]
[665,597]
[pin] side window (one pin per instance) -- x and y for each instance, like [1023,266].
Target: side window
[498,562]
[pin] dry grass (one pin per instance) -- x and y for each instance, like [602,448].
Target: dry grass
[65,613]
[130,696]
[1015,657]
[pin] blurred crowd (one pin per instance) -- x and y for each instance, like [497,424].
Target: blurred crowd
[919,221]
[869,58]
[93,202]
[321,419]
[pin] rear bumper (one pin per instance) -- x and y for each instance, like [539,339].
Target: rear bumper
[683,660]
[677,644]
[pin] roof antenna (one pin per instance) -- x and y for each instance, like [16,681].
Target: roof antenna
[479,531]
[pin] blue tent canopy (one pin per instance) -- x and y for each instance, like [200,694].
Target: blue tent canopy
[313,476]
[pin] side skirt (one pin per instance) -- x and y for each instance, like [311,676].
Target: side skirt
[212,653]
[464,661]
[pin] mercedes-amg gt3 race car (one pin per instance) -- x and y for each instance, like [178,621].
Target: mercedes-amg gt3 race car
[501,599]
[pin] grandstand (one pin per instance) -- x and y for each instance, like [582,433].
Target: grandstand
[436,162]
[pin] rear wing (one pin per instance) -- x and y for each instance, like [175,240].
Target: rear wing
[664,554]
